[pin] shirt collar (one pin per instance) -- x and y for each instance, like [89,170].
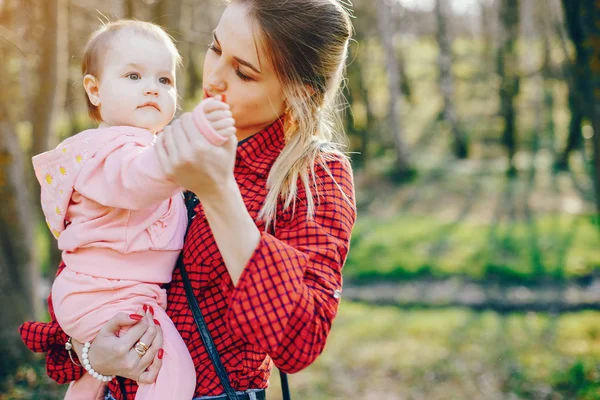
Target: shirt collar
[260,150]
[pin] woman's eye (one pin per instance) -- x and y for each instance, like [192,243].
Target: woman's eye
[242,76]
[214,48]
[165,81]
[134,76]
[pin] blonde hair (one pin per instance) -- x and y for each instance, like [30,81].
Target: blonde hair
[307,43]
[99,42]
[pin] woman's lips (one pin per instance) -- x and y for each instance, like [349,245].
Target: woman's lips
[207,95]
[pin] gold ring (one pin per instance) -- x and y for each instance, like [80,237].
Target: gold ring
[141,348]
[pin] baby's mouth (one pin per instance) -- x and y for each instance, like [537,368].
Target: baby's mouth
[150,104]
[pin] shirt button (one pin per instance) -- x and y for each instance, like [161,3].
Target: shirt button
[337,294]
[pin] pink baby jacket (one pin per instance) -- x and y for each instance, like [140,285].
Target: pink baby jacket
[113,210]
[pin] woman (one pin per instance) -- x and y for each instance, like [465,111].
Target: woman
[266,246]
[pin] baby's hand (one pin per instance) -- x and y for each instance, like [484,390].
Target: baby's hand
[214,119]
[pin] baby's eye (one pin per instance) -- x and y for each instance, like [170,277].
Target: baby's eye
[165,81]
[134,76]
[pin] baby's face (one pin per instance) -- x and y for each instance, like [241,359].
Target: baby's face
[137,84]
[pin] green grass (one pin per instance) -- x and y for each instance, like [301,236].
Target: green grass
[389,353]
[557,247]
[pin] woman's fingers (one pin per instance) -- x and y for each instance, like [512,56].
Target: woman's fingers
[148,337]
[155,355]
[134,334]
[150,374]
[119,321]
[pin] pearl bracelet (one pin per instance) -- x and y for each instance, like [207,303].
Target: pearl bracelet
[88,366]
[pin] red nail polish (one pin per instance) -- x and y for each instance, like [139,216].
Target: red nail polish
[145,308]
[156,322]
[151,310]
[161,353]
[135,317]
[224,98]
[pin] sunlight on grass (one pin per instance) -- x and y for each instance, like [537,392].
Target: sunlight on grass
[452,353]
[553,246]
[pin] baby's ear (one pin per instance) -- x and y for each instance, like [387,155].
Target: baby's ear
[90,84]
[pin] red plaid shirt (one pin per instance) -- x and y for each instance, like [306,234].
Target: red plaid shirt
[283,306]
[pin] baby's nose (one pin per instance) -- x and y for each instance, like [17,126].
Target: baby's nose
[152,91]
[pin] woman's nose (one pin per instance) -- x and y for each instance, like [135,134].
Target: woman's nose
[216,87]
[215,82]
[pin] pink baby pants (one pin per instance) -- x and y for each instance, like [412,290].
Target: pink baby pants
[84,303]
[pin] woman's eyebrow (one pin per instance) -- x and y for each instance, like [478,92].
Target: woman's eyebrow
[241,61]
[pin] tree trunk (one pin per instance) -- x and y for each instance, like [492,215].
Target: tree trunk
[190,78]
[590,22]
[576,81]
[446,79]
[488,21]
[509,78]
[386,34]
[547,114]
[128,9]
[52,70]
[18,264]
[19,275]
[356,92]
[49,101]
[167,13]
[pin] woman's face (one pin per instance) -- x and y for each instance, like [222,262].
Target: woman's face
[236,66]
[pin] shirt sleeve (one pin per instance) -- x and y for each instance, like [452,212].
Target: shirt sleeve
[288,293]
[125,174]
[49,337]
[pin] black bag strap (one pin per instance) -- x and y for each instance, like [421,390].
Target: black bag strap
[285,388]
[205,335]
[209,344]
[191,201]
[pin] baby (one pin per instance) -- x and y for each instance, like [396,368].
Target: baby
[120,223]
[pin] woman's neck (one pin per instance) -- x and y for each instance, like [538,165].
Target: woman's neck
[246,133]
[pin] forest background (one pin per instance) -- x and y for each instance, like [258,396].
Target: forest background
[474,270]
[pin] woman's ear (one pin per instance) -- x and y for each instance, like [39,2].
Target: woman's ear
[90,84]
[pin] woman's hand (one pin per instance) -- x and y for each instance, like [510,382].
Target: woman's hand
[191,161]
[115,355]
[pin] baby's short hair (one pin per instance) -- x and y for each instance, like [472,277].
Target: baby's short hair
[99,41]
